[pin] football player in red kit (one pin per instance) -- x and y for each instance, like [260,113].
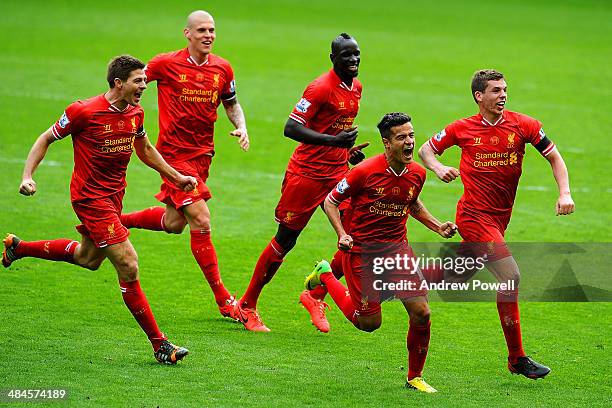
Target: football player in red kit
[383,190]
[492,146]
[105,129]
[191,84]
[322,121]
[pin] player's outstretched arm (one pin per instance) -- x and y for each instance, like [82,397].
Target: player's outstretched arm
[236,115]
[345,241]
[428,157]
[300,133]
[149,155]
[565,204]
[421,214]
[37,153]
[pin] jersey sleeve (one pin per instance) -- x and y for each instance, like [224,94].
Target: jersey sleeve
[140,130]
[313,98]
[349,186]
[229,88]
[154,68]
[533,131]
[71,121]
[444,139]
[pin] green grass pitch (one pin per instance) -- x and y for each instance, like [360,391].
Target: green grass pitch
[61,326]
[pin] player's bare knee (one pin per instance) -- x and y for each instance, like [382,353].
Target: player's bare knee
[370,323]
[420,313]
[93,264]
[201,221]
[175,226]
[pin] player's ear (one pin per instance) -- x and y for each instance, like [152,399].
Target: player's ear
[478,96]
[187,33]
[118,83]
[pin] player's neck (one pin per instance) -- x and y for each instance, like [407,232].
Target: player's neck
[198,57]
[490,117]
[114,98]
[348,80]
[396,165]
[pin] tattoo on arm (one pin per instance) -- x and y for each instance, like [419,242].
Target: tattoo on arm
[235,114]
[416,207]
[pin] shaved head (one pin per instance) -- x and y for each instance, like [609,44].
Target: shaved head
[196,16]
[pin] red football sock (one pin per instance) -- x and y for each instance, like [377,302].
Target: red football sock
[137,303]
[340,295]
[150,219]
[417,343]
[268,263]
[204,253]
[508,310]
[55,250]
[336,265]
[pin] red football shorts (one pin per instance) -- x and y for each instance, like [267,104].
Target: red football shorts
[366,287]
[482,236]
[300,197]
[101,221]
[171,195]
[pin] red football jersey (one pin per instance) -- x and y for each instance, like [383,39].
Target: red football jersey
[103,140]
[380,200]
[188,97]
[491,158]
[327,106]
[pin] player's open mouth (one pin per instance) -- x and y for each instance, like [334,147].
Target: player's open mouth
[353,67]
[407,152]
[207,42]
[501,104]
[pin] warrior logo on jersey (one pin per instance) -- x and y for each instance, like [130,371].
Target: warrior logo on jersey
[342,186]
[439,136]
[64,121]
[303,105]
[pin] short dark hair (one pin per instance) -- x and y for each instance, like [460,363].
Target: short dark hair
[481,77]
[337,43]
[121,67]
[391,120]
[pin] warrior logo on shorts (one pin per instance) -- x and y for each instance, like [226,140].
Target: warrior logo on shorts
[111,230]
[303,105]
[342,186]
[364,303]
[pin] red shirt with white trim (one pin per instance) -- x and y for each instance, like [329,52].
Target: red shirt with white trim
[188,97]
[327,106]
[491,158]
[380,200]
[103,140]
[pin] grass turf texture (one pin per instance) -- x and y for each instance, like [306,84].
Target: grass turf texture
[66,327]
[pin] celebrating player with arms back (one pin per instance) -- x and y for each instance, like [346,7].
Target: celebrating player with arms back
[191,83]
[383,191]
[104,131]
[492,148]
[323,122]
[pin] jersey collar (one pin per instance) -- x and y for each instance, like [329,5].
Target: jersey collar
[341,83]
[497,122]
[192,61]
